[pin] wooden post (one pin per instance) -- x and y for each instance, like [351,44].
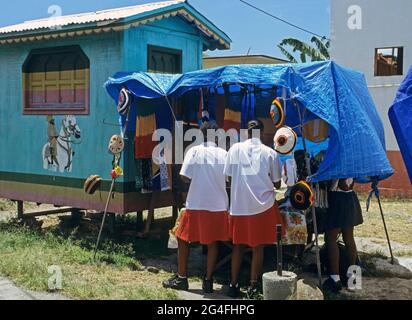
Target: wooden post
[139,220]
[75,217]
[20,210]
[175,214]
[112,223]
[279,249]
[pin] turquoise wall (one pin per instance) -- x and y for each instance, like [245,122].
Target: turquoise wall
[22,137]
[172,33]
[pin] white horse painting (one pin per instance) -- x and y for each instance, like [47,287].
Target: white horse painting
[58,153]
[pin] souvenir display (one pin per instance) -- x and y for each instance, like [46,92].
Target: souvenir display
[285,140]
[316,130]
[116,172]
[277,113]
[125,101]
[116,144]
[295,225]
[233,112]
[301,196]
[92,183]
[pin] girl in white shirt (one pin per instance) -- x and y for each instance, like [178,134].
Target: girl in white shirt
[254,170]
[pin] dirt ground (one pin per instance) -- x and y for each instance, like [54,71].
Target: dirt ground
[149,261]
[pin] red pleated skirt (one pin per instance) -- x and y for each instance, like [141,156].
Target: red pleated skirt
[257,229]
[204,227]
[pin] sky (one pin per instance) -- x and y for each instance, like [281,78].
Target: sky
[250,30]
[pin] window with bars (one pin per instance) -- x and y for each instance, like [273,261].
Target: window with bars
[389,62]
[164,60]
[56,81]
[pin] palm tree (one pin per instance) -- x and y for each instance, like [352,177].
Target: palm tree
[318,52]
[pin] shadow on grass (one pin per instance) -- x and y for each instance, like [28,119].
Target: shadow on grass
[123,248]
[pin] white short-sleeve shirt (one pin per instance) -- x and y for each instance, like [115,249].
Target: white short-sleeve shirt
[253,168]
[204,165]
[290,176]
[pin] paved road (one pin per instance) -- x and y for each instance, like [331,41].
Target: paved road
[9,291]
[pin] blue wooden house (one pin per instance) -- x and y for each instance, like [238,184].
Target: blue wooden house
[55,115]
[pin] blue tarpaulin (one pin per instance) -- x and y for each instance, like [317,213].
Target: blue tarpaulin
[324,90]
[400,115]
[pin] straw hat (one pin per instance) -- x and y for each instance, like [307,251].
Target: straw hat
[125,101]
[92,183]
[276,113]
[301,196]
[285,140]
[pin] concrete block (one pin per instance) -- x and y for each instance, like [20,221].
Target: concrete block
[308,291]
[279,287]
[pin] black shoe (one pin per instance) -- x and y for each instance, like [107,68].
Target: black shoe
[207,285]
[234,291]
[176,283]
[331,286]
[254,292]
[344,281]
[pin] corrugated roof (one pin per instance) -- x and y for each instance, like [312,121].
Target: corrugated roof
[84,18]
[114,20]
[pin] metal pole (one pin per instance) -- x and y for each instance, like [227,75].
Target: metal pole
[386,230]
[20,210]
[315,223]
[104,219]
[279,249]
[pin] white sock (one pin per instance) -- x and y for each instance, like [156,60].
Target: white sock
[335,277]
[181,276]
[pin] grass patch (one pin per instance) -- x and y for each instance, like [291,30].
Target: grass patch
[370,267]
[25,256]
[397,216]
[8,205]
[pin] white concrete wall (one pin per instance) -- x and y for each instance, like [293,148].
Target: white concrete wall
[385,23]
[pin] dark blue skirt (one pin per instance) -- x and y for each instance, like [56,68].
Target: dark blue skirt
[344,210]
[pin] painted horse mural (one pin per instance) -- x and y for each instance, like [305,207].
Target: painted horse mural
[58,152]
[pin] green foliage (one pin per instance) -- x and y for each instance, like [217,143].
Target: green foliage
[318,51]
[25,256]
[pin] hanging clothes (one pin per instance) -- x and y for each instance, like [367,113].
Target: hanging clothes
[320,188]
[189,108]
[150,175]
[145,127]
[219,109]
[233,110]
[263,102]
[143,175]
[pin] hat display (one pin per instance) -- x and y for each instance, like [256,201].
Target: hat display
[116,144]
[276,113]
[301,196]
[125,101]
[92,183]
[316,130]
[285,140]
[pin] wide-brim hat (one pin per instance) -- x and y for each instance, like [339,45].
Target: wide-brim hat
[92,183]
[277,113]
[125,101]
[301,196]
[285,140]
[316,130]
[116,144]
